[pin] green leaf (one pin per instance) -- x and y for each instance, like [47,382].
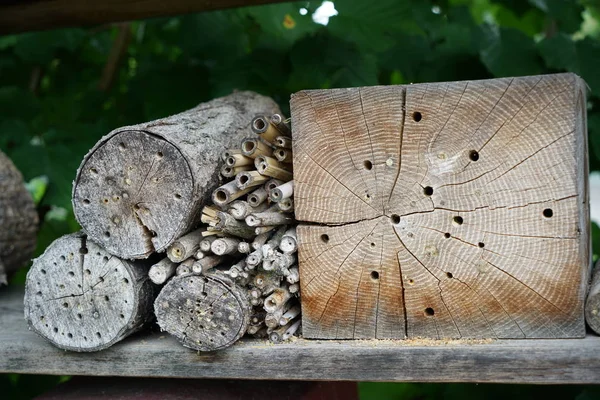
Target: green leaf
[37,188]
[595,241]
[588,58]
[508,52]
[559,52]
[567,13]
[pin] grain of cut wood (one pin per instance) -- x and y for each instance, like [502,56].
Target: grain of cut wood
[81,298]
[592,303]
[185,247]
[204,312]
[138,189]
[18,220]
[160,272]
[443,210]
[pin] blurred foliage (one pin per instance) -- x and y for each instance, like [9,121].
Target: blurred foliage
[52,110]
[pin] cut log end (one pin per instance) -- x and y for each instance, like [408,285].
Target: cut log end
[127,188]
[81,298]
[204,313]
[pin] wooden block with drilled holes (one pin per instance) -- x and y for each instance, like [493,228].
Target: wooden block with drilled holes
[443,210]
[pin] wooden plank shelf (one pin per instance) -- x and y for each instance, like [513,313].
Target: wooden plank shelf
[552,361]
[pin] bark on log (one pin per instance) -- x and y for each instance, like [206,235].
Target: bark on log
[204,313]
[592,303]
[81,298]
[141,187]
[18,220]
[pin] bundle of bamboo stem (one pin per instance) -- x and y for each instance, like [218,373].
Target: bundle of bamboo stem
[249,237]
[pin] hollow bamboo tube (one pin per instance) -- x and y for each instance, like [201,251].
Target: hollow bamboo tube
[280,124]
[229,152]
[272,184]
[230,172]
[289,242]
[283,142]
[289,315]
[281,192]
[263,127]
[238,160]
[250,179]
[253,148]
[291,330]
[227,193]
[283,155]
[269,166]
[286,205]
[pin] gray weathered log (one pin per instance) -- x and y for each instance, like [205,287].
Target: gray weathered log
[592,303]
[140,187]
[204,312]
[160,272]
[229,225]
[226,245]
[81,298]
[18,220]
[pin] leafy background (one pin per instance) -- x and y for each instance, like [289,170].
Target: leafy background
[58,95]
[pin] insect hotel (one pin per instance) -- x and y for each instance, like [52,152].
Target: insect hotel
[450,219]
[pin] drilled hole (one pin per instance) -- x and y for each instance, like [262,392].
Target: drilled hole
[79,316]
[39,293]
[374,275]
[71,273]
[417,116]
[447,235]
[220,195]
[63,258]
[395,219]
[107,234]
[177,196]
[159,154]
[121,315]
[105,258]
[259,124]
[43,271]
[548,213]
[372,244]
[473,155]
[368,165]
[86,201]
[66,305]
[55,330]
[449,275]
[122,146]
[325,238]
[411,281]
[125,280]
[429,312]
[428,190]
[88,272]
[458,220]
[481,244]
[93,170]
[106,298]
[98,335]
[70,335]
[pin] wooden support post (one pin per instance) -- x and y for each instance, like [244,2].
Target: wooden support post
[138,189]
[81,298]
[204,312]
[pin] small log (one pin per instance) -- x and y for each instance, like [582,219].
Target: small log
[229,225]
[283,155]
[268,218]
[227,193]
[293,276]
[289,242]
[244,248]
[281,192]
[185,267]
[226,245]
[294,288]
[263,229]
[206,243]
[207,263]
[254,259]
[253,148]
[185,247]
[199,255]
[81,298]
[240,209]
[278,334]
[272,319]
[253,329]
[283,142]
[258,197]
[281,124]
[250,179]
[260,240]
[204,313]
[267,282]
[139,188]
[18,220]
[592,303]
[269,166]
[160,272]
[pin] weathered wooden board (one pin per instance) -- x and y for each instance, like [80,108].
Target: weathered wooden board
[550,361]
[443,210]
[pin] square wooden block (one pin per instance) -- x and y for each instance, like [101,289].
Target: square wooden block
[443,210]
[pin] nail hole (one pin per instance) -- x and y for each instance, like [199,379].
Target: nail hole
[548,213]
[99,335]
[428,190]
[458,220]
[106,298]
[66,305]
[449,275]
[105,200]
[93,170]
[368,165]
[417,116]
[63,258]
[474,155]
[122,316]
[325,238]
[411,281]
[429,312]
[105,258]
[55,330]
[447,235]
[481,244]
[79,316]
[374,275]
[125,280]
[86,201]
[101,279]
[71,273]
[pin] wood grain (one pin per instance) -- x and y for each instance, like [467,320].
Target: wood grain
[545,361]
[141,187]
[443,210]
[18,220]
[34,15]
